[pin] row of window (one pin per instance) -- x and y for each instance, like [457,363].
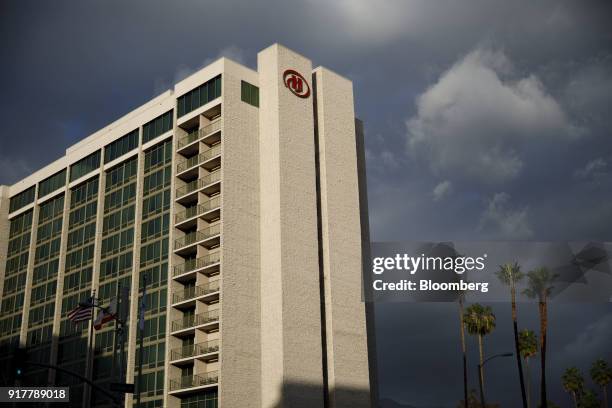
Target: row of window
[43,292]
[47,250]
[84,192]
[51,209]
[10,325]
[155,228]
[17,264]
[51,184]
[118,242]
[121,146]
[154,252]
[82,214]
[116,266]
[119,197]
[85,165]
[19,244]
[158,155]
[22,199]
[79,257]
[205,399]
[14,283]
[20,224]
[121,174]
[46,271]
[199,96]
[118,219]
[157,180]
[81,236]
[156,127]
[41,314]
[12,304]
[78,280]
[48,230]
[155,204]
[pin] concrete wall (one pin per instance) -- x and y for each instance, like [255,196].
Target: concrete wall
[290,311]
[347,362]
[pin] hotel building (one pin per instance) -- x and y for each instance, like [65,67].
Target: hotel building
[240,195]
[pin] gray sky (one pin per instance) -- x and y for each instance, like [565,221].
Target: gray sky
[484,120]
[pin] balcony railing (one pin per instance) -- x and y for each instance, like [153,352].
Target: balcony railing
[197,236]
[200,133]
[195,320]
[198,209]
[199,183]
[200,158]
[192,292]
[194,350]
[198,263]
[197,380]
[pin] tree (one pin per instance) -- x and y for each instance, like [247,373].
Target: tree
[573,382]
[540,287]
[479,321]
[601,373]
[474,402]
[464,351]
[528,346]
[510,274]
[589,400]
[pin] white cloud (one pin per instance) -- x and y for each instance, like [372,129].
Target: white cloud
[442,190]
[500,219]
[593,169]
[473,122]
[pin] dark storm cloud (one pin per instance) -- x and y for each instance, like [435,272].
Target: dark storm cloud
[537,165]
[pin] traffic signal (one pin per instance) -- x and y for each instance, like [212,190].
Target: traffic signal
[18,363]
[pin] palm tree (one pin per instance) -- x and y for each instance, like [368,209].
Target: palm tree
[510,274]
[573,382]
[479,321]
[528,346]
[540,287]
[589,400]
[463,349]
[601,373]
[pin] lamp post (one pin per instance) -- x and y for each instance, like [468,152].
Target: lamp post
[480,366]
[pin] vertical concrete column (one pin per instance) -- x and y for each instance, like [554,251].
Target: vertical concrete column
[291,350]
[134,313]
[30,274]
[4,232]
[61,267]
[345,318]
[240,352]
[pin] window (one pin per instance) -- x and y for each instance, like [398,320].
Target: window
[158,155]
[84,192]
[157,126]
[121,174]
[84,166]
[121,146]
[200,96]
[22,199]
[52,183]
[50,209]
[249,93]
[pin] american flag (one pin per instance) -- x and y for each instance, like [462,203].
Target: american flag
[80,314]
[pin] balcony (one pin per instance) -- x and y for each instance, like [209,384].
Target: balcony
[187,325]
[183,385]
[205,351]
[207,237]
[209,211]
[209,159]
[187,297]
[208,264]
[208,134]
[208,185]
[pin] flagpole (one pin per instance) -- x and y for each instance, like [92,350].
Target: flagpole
[91,351]
[141,335]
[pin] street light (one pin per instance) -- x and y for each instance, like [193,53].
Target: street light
[482,398]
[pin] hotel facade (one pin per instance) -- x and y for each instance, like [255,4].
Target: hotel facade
[240,196]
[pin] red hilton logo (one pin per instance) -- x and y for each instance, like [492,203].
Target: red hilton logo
[296,83]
